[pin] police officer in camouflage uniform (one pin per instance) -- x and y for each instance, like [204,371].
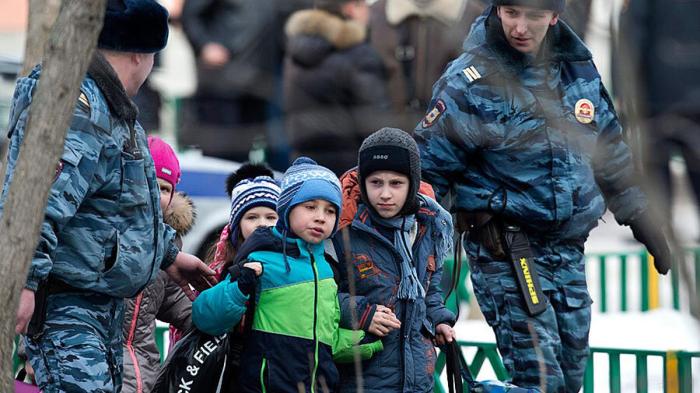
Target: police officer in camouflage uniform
[103,238]
[523,134]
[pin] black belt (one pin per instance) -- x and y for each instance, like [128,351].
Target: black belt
[55,286]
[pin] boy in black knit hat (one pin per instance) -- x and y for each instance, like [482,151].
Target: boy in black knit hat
[397,240]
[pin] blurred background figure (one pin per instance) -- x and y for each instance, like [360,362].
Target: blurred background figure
[416,39]
[660,79]
[334,83]
[238,49]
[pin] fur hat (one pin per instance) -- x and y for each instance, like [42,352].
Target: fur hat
[139,26]
[554,5]
[391,149]
[304,181]
[165,160]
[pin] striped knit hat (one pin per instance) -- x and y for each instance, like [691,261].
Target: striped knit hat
[250,193]
[304,181]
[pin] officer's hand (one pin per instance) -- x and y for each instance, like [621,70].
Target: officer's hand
[383,321]
[648,231]
[444,334]
[24,310]
[188,269]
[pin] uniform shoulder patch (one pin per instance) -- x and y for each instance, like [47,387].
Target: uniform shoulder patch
[83,102]
[471,73]
[434,114]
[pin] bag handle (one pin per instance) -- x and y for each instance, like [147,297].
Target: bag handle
[457,369]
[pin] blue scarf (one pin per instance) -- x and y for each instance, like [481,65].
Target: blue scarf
[409,287]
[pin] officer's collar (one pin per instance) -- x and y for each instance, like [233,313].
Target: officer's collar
[560,44]
[111,87]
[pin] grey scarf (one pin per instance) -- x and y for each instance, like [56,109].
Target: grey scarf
[404,228]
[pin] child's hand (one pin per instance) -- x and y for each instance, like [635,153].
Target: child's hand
[444,334]
[383,321]
[257,266]
[248,279]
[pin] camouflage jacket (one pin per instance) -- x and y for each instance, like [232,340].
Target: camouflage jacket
[103,230]
[535,140]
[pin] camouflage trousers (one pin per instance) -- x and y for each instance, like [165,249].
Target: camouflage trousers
[548,349]
[80,349]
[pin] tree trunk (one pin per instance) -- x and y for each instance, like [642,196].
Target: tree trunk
[42,15]
[68,53]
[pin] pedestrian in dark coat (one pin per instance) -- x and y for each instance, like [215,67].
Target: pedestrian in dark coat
[334,83]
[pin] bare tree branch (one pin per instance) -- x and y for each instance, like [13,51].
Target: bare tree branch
[68,52]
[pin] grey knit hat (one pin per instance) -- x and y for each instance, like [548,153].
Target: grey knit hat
[391,149]
[554,5]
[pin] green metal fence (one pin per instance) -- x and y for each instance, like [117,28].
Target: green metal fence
[631,274]
[676,367]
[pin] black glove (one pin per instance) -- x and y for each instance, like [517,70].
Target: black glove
[648,231]
[247,280]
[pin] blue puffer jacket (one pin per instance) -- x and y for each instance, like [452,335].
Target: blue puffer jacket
[408,360]
[536,141]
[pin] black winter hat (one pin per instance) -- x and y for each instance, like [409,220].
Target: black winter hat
[139,26]
[391,149]
[554,5]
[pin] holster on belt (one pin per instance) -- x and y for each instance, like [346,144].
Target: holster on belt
[485,229]
[504,240]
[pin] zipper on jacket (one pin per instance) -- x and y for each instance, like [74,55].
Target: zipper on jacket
[130,342]
[262,375]
[313,374]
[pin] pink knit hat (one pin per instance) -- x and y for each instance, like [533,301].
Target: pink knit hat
[167,164]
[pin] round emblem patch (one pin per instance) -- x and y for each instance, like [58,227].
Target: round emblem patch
[585,111]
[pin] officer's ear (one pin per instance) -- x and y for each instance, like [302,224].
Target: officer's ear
[554,20]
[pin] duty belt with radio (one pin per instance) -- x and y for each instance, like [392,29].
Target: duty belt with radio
[505,240]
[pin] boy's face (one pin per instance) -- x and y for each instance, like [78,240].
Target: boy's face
[526,27]
[387,192]
[255,218]
[166,194]
[313,221]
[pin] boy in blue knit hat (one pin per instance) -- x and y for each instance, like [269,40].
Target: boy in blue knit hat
[296,305]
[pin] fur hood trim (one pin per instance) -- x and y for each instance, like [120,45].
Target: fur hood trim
[181,213]
[342,34]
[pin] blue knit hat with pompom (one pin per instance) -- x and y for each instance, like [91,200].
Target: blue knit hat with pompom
[304,181]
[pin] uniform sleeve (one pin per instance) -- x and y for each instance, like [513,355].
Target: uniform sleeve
[80,162]
[218,309]
[171,249]
[448,135]
[614,168]
[176,308]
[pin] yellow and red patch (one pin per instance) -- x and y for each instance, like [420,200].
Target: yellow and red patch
[584,111]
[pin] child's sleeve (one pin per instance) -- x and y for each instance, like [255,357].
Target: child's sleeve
[435,303]
[347,343]
[218,309]
[364,311]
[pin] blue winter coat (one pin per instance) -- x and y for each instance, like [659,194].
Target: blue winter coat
[408,360]
[536,141]
[103,229]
